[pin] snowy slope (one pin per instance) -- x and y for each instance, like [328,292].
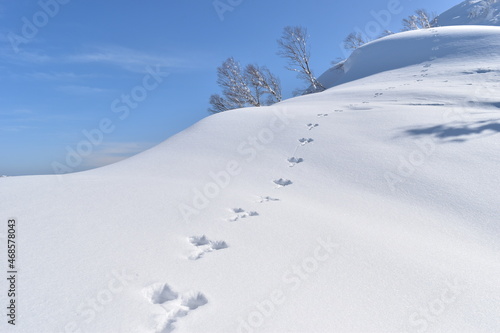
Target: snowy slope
[386,220]
[472,12]
[469,12]
[412,47]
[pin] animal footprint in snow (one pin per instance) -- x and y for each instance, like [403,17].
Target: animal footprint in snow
[175,305]
[204,245]
[339,110]
[305,141]
[427,65]
[193,300]
[294,161]
[283,182]
[322,114]
[311,126]
[241,214]
[267,199]
[378,94]
[159,293]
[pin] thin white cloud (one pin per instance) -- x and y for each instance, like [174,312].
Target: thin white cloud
[128,59]
[23,56]
[81,90]
[14,128]
[57,76]
[109,153]
[125,58]
[15,112]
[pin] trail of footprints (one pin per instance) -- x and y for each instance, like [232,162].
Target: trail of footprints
[177,305]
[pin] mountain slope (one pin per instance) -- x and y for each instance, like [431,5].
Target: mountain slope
[386,220]
[414,47]
[472,12]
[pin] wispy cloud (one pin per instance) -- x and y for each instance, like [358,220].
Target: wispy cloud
[15,112]
[121,57]
[128,59]
[109,153]
[58,76]
[20,118]
[36,57]
[17,120]
[82,90]
[14,128]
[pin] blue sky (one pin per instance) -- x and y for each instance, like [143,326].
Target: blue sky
[127,75]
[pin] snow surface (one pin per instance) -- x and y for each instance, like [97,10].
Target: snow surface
[370,207]
[473,12]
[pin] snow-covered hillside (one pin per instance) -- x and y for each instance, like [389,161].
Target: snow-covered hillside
[409,48]
[469,12]
[472,12]
[370,207]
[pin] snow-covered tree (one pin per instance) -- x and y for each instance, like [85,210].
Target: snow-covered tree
[244,88]
[483,9]
[234,84]
[220,104]
[353,41]
[293,46]
[422,19]
[264,82]
[386,33]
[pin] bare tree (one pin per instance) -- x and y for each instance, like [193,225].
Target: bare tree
[219,104]
[386,33]
[234,85]
[264,82]
[244,88]
[353,41]
[253,77]
[293,46]
[422,19]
